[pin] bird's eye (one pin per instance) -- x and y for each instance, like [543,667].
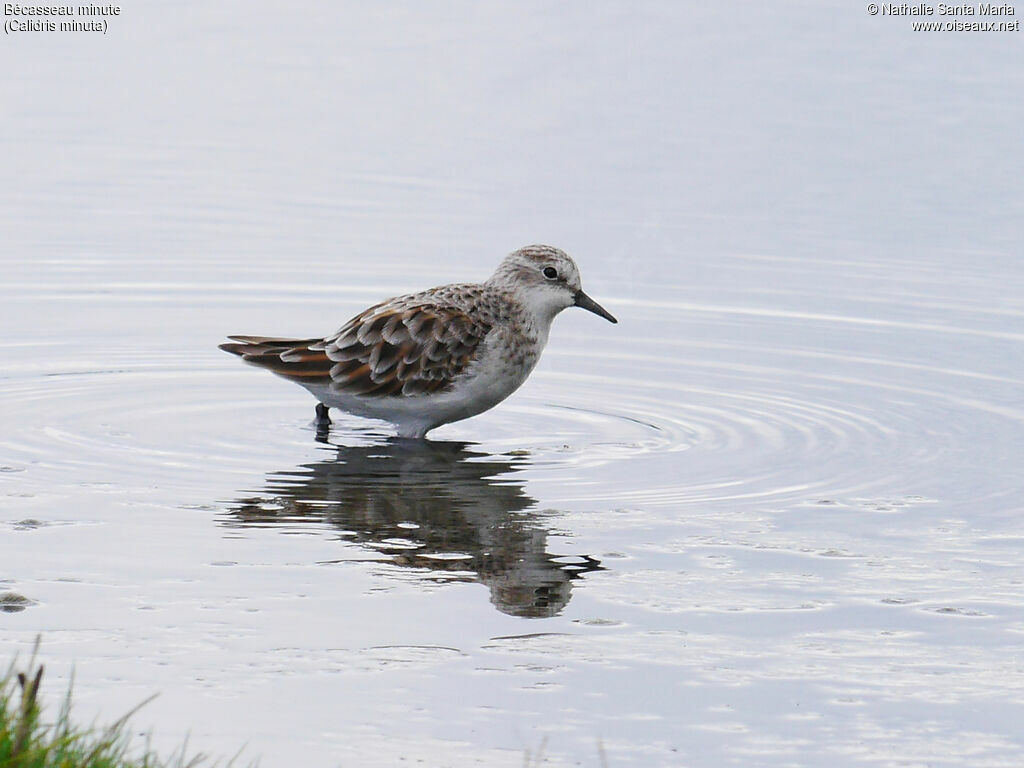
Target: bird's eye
[550,273]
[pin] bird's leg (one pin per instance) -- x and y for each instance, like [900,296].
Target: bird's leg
[323,418]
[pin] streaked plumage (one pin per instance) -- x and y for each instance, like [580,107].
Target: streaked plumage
[437,356]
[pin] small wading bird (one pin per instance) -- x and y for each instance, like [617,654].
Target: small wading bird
[430,358]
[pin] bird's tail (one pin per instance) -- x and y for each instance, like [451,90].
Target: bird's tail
[303,359]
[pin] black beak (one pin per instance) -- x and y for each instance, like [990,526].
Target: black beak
[582,300]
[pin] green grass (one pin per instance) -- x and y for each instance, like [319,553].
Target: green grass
[30,740]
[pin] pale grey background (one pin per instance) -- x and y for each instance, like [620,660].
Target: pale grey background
[797,456]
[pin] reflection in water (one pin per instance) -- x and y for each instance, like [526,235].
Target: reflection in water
[435,506]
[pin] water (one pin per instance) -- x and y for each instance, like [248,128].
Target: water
[771,518]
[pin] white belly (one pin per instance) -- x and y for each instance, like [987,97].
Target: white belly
[498,372]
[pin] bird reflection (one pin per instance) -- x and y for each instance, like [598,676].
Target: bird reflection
[454,513]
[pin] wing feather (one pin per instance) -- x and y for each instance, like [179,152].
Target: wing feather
[400,347]
[404,348]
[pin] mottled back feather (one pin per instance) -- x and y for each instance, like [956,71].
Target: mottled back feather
[405,346]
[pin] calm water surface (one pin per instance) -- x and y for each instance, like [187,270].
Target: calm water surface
[772,518]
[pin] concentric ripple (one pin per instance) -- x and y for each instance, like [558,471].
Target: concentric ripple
[727,402]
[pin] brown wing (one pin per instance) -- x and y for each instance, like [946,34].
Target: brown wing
[402,348]
[395,348]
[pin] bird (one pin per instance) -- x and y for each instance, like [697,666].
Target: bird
[437,356]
